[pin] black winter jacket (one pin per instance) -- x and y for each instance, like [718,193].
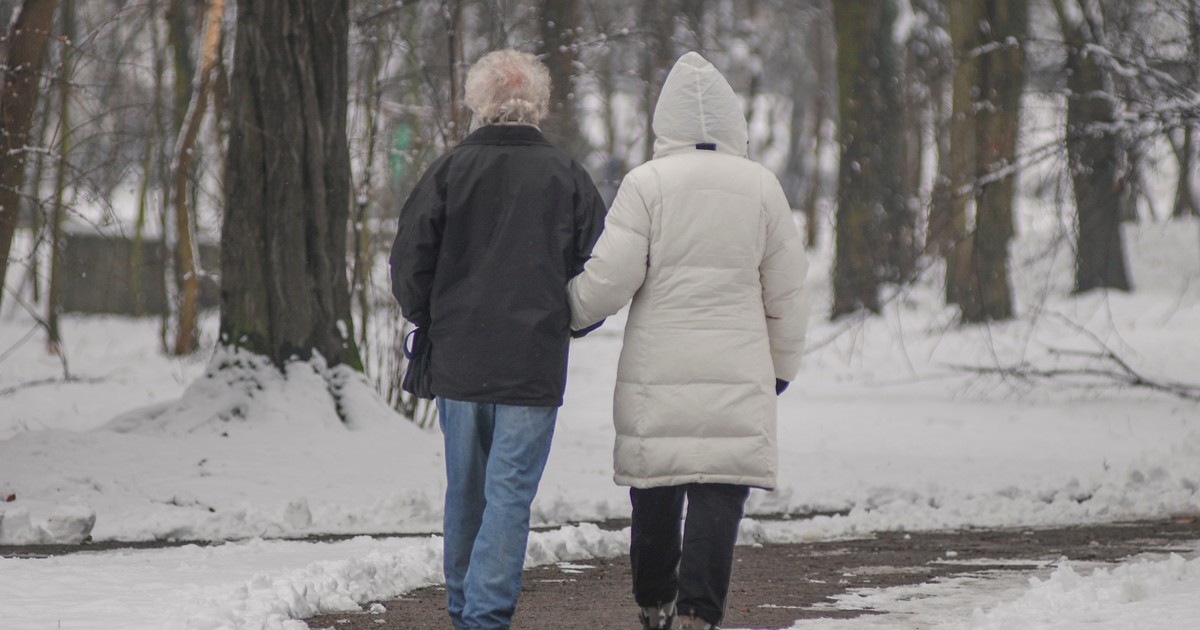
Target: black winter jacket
[487,242]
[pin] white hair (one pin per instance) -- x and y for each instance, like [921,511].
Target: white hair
[508,87]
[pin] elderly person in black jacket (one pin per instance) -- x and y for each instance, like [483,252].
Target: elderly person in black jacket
[487,242]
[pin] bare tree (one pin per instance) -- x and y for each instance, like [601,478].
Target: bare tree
[1001,79]
[18,99]
[821,115]
[947,233]
[1187,203]
[658,18]
[452,16]
[1097,152]
[180,34]
[897,256]
[53,334]
[181,166]
[856,275]
[559,21]
[148,154]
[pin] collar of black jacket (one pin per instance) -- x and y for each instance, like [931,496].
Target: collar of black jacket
[507,135]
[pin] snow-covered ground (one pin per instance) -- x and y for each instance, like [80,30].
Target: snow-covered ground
[884,425]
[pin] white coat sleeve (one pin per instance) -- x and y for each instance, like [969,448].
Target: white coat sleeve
[617,267]
[782,272]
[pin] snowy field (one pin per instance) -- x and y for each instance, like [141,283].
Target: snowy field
[887,426]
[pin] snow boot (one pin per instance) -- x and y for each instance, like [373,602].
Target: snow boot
[657,617]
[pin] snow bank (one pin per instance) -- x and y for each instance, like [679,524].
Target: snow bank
[272,600]
[1144,593]
[245,451]
[70,523]
[1150,591]
[241,389]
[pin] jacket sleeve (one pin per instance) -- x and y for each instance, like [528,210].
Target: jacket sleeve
[782,273]
[418,239]
[617,267]
[589,219]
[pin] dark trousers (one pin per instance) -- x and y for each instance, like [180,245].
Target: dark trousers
[694,568]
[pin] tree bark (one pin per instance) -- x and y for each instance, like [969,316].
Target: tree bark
[18,99]
[1001,82]
[821,97]
[1186,201]
[797,174]
[156,129]
[898,255]
[53,334]
[360,274]
[179,36]
[285,292]
[40,216]
[948,216]
[559,51]
[855,273]
[185,337]
[1098,162]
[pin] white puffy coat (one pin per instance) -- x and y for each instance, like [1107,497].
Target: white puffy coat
[704,243]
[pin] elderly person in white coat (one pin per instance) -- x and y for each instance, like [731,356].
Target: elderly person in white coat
[702,239]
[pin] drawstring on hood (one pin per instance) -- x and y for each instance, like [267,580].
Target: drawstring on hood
[698,107]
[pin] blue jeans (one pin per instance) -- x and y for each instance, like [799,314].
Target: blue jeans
[495,455]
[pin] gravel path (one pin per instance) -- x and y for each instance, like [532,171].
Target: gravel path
[775,585]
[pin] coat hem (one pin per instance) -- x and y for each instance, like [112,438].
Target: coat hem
[500,400]
[763,483]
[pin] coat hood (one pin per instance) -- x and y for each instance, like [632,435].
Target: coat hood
[697,106]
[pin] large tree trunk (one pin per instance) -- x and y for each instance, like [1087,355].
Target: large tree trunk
[1001,81]
[284,290]
[1098,162]
[898,255]
[18,98]
[855,273]
[559,19]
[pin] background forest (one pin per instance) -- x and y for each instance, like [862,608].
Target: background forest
[900,129]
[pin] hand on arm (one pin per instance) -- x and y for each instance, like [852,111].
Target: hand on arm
[617,266]
[590,211]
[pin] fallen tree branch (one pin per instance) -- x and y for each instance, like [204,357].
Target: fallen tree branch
[1103,366]
[1029,373]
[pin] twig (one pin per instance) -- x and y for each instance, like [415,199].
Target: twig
[20,342]
[8,391]
[42,323]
